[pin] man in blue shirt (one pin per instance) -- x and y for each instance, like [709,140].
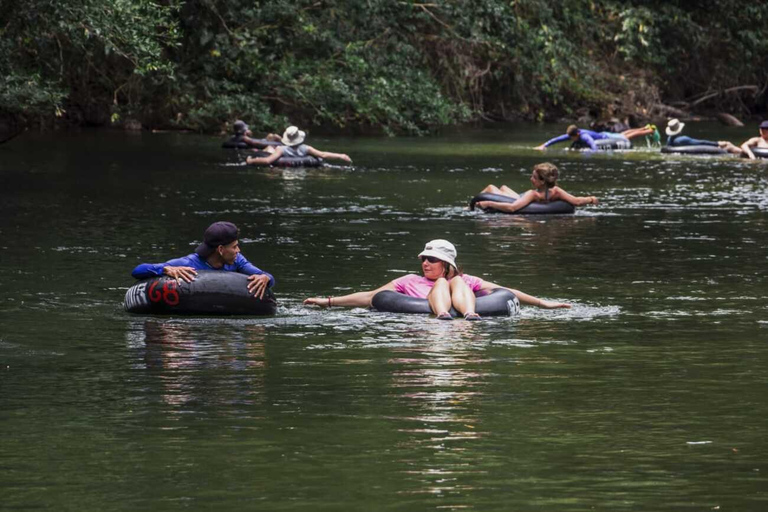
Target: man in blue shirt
[586,137]
[220,251]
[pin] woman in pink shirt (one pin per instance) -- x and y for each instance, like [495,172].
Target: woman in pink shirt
[443,284]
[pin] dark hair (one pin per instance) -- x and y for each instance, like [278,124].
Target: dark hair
[572,130]
[548,173]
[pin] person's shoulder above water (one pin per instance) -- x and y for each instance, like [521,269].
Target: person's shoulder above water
[760,142]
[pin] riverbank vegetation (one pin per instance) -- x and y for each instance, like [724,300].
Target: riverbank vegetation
[382,65]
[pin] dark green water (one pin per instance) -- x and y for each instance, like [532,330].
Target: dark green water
[649,395]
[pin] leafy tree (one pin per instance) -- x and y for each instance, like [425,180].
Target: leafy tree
[392,65]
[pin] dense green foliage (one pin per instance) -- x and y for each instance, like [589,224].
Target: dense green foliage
[379,64]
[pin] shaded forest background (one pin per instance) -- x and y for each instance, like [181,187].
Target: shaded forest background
[379,65]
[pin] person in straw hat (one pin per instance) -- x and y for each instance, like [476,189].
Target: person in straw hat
[293,140]
[442,283]
[675,139]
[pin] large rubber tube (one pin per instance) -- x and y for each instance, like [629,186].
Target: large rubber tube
[555,207]
[500,302]
[287,161]
[605,144]
[693,150]
[234,143]
[211,293]
[760,152]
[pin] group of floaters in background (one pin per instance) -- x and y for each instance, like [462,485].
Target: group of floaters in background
[592,140]
[290,147]
[274,147]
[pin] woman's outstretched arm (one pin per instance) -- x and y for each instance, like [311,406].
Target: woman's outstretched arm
[524,298]
[358,299]
[575,200]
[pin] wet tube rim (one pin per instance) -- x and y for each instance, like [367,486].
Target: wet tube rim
[553,208]
[699,149]
[499,302]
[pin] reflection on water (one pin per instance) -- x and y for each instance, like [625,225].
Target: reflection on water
[186,361]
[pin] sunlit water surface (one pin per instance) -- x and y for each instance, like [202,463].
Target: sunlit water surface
[649,394]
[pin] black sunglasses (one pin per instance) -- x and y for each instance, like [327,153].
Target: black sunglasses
[430,259]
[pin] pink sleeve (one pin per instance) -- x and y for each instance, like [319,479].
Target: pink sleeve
[474,283]
[401,282]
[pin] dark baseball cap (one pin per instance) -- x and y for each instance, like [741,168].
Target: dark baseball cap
[218,233]
[240,127]
[764,125]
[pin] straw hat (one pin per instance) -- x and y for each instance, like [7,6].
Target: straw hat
[293,136]
[674,127]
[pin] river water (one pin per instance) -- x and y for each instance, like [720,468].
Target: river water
[649,394]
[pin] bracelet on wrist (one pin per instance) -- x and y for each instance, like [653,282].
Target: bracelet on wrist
[330,301]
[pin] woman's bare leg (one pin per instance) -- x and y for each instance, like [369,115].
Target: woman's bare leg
[503,191]
[637,132]
[462,297]
[506,191]
[440,297]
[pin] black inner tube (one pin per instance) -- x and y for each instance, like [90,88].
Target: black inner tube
[555,207]
[290,161]
[499,302]
[211,293]
[693,150]
[760,152]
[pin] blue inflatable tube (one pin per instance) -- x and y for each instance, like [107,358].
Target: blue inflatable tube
[555,207]
[499,302]
[211,293]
